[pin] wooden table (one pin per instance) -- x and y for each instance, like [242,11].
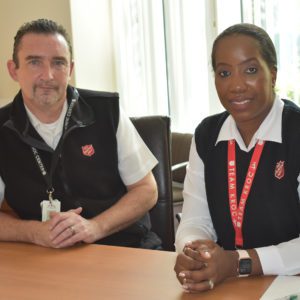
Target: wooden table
[90,272]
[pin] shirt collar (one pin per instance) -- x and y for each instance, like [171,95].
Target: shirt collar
[269,130]
[36,123]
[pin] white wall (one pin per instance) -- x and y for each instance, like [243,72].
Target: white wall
[227,13]
[94,69]
[13,13]
[92,40]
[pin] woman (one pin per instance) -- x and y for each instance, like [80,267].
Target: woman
[242,184]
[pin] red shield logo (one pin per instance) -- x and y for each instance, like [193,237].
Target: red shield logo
[88,150]
[279,169]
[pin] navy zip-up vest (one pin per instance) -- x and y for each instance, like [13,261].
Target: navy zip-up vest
[92,182]
[272,213]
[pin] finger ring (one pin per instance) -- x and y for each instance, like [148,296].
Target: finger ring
[72,230]
[211,284]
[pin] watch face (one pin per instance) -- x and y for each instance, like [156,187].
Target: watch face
[245,266]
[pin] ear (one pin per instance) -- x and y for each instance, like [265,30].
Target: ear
[12,70]
[274,76]
[71,68]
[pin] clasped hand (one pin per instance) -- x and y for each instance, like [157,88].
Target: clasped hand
[201,265]
[65,229]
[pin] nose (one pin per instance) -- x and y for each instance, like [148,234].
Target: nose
[47,72]
[237,83]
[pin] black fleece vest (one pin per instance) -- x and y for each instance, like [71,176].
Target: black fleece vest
[92,182]
[272,213]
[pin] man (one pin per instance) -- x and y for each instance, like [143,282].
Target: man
[72,166]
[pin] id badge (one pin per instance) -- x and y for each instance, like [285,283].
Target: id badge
[48,207]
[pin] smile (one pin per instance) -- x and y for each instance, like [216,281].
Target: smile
[241,102]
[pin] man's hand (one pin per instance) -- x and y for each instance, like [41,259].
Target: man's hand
[69,228]
[64,229]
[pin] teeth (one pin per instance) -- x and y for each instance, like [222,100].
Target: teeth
[241,102]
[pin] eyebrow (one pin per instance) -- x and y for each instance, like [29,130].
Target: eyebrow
[59,58]
[241,63]
[29,57]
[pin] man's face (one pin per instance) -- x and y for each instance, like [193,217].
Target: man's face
[43,71]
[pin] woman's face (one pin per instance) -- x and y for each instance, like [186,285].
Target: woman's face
[243,79]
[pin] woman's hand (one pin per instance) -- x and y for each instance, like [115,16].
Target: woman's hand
[203,264]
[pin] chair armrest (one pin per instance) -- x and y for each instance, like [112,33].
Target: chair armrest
[178,217]
[179,166]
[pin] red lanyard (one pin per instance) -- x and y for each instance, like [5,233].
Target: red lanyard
[237,211]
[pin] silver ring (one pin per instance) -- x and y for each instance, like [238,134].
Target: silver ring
[72,230]
[211,284]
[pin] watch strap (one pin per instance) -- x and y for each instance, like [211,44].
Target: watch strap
[243,253]
[243,256]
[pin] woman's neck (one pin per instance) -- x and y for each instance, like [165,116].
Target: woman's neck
[247,133]
[248,128]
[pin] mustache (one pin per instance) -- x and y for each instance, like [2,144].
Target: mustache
[46,85]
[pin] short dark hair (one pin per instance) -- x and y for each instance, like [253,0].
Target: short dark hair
[42,26]
[266,46]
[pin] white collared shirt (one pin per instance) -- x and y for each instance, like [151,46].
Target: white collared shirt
[196,221]
[50,132]
[269,130]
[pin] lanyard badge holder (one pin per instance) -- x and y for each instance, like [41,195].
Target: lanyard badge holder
[48,206]
[52,205]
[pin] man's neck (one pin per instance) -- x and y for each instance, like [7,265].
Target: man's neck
[45,114]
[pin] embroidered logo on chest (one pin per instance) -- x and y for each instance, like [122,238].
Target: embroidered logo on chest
[88,150]
[279,170]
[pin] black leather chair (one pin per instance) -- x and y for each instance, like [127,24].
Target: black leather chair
[180,149]
[155,131]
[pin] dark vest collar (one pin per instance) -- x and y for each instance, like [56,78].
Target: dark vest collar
[82,115]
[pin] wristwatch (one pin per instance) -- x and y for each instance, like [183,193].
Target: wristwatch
[244,263]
